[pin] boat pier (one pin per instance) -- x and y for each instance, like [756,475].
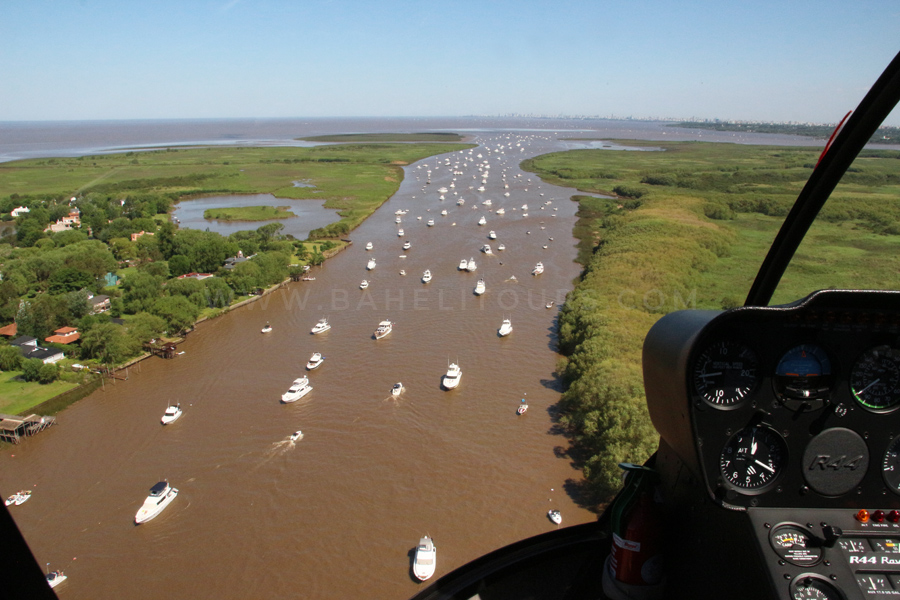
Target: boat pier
[164,350]
[14,428]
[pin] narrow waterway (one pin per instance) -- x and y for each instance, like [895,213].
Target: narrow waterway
[337,513]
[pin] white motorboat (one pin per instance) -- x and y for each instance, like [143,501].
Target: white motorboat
[425,560]
[442,190]
[402,271]
[18,498]
[296,435]
[369,246]
[482,221]
[480,287]
[444,213]
[321,326]
[399,233]
[364,284]
[460,202]
[524,207]
[492,235]
[172,413]
[505,328]
[315,361]
[487,202]
[522,408]
[160,496]
[266,329]
[430,223]
[397,389]
[407,245]
[451,379]
[471,266]
[538,269]
[500,211]
[487,249]
[54,578]
[371,264]
[550,304]
[554,516]
[398,220]
[463,265]
[298,389]
[384,328]
[501,247]
[426,276]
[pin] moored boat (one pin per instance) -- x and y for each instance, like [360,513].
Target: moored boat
[501,247]
[487,249]
[426,276]
[505,328]
[364,284]
[369,246]
[172,413]
[315,361]
[399,233]
[430,223]
[425,560]
[555,516]
[480,287]
[471,266]
[371,264]
[492,235]
[407,245]
[266,329]
[463,265]
[397,389]
[54,578]
[298,389]
[522,408]
[538,269]
[451,379]
[482,221]
[161,495]
[384,328]
[18,498]
[321,326]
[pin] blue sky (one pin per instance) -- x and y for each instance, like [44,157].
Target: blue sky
[124,59]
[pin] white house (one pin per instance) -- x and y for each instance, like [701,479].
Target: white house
[20,210]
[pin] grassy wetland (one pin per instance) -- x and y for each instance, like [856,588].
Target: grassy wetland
[688,227]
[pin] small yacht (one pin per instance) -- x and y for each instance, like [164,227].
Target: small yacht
[266,329]
[407,245]
[538,269]
[555,516]
[505,328]
[321,326]
[172,413]
[315,361]
[397,389]
[522,408]
[425,560]
[480,287]
[463,265]
[451,379]
[487,249]
[492,235]
[296,435]
[460,202]
[524,207]
[430,222]
[18,498]
[371,264]
[54,578]
[364,284]
[398,220]
[501,247]
[444,213]
[471,266]
[426,277]
[369,246]
[399,233]
[160,496]
[487,202]
[384,328]
[482,221]
[501,211]
[298,389]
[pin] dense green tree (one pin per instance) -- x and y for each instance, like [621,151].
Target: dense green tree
[108,343]
[158,269]
[178,312]
[244,277]
[10,358]
[39,317]
[31,369]
[69,279]
[179,264]
[123,248]
[190,288]
[145,327]
[218,293]
[28,232]
[48,373]
[69,236]
[140,291]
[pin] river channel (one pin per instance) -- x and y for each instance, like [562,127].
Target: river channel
[337,513]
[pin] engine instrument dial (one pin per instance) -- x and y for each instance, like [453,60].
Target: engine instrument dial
[814,587]
[725,374]
[753,459]
[875,379]
[890,466]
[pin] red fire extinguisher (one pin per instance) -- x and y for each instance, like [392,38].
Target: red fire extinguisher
[635,566]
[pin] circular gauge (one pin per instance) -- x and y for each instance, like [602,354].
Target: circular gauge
[814,587]
[875,379]
[753,459]
[804,373]
[725,373]
[794,544]
[890,465]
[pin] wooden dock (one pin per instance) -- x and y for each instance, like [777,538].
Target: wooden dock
[164,350]
[13,428]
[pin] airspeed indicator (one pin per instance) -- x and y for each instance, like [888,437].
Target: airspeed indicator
[725,373]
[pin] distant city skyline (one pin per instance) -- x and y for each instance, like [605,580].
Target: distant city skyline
[802,62]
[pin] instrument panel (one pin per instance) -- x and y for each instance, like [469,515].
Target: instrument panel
[785,406]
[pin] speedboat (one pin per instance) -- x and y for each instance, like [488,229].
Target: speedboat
[171,415]
[501,247]
[426,276]
[397,389]
[266,329]
[505,328]
[487,202]
[407,245]
[501,211]
[399,233]
[298,389]
[18,498]
[369,246]
[425,560]
[538,269]
[554,516]
[463,265]
[364,284]
[482,221]
[160,496]
[296,435]
[315,361]
[471,266]
[371,264]
[321,326]
[486,249]
[480,287]
[524,207]
[402,271]
[430,223]
[451,379]
[550,304]
[54,578]
[522,408]
[492,235]
[384,328]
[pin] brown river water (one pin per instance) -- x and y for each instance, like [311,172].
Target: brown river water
[337,513]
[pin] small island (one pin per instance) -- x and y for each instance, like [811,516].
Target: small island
[248,213]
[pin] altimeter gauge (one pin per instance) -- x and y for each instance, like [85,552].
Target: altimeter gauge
[725,373]
[753,459]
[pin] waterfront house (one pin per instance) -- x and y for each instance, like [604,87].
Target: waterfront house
[20,210]
[29,348]
[135,236]
[64,335]
[99,303]
[230,263]
[68,222]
